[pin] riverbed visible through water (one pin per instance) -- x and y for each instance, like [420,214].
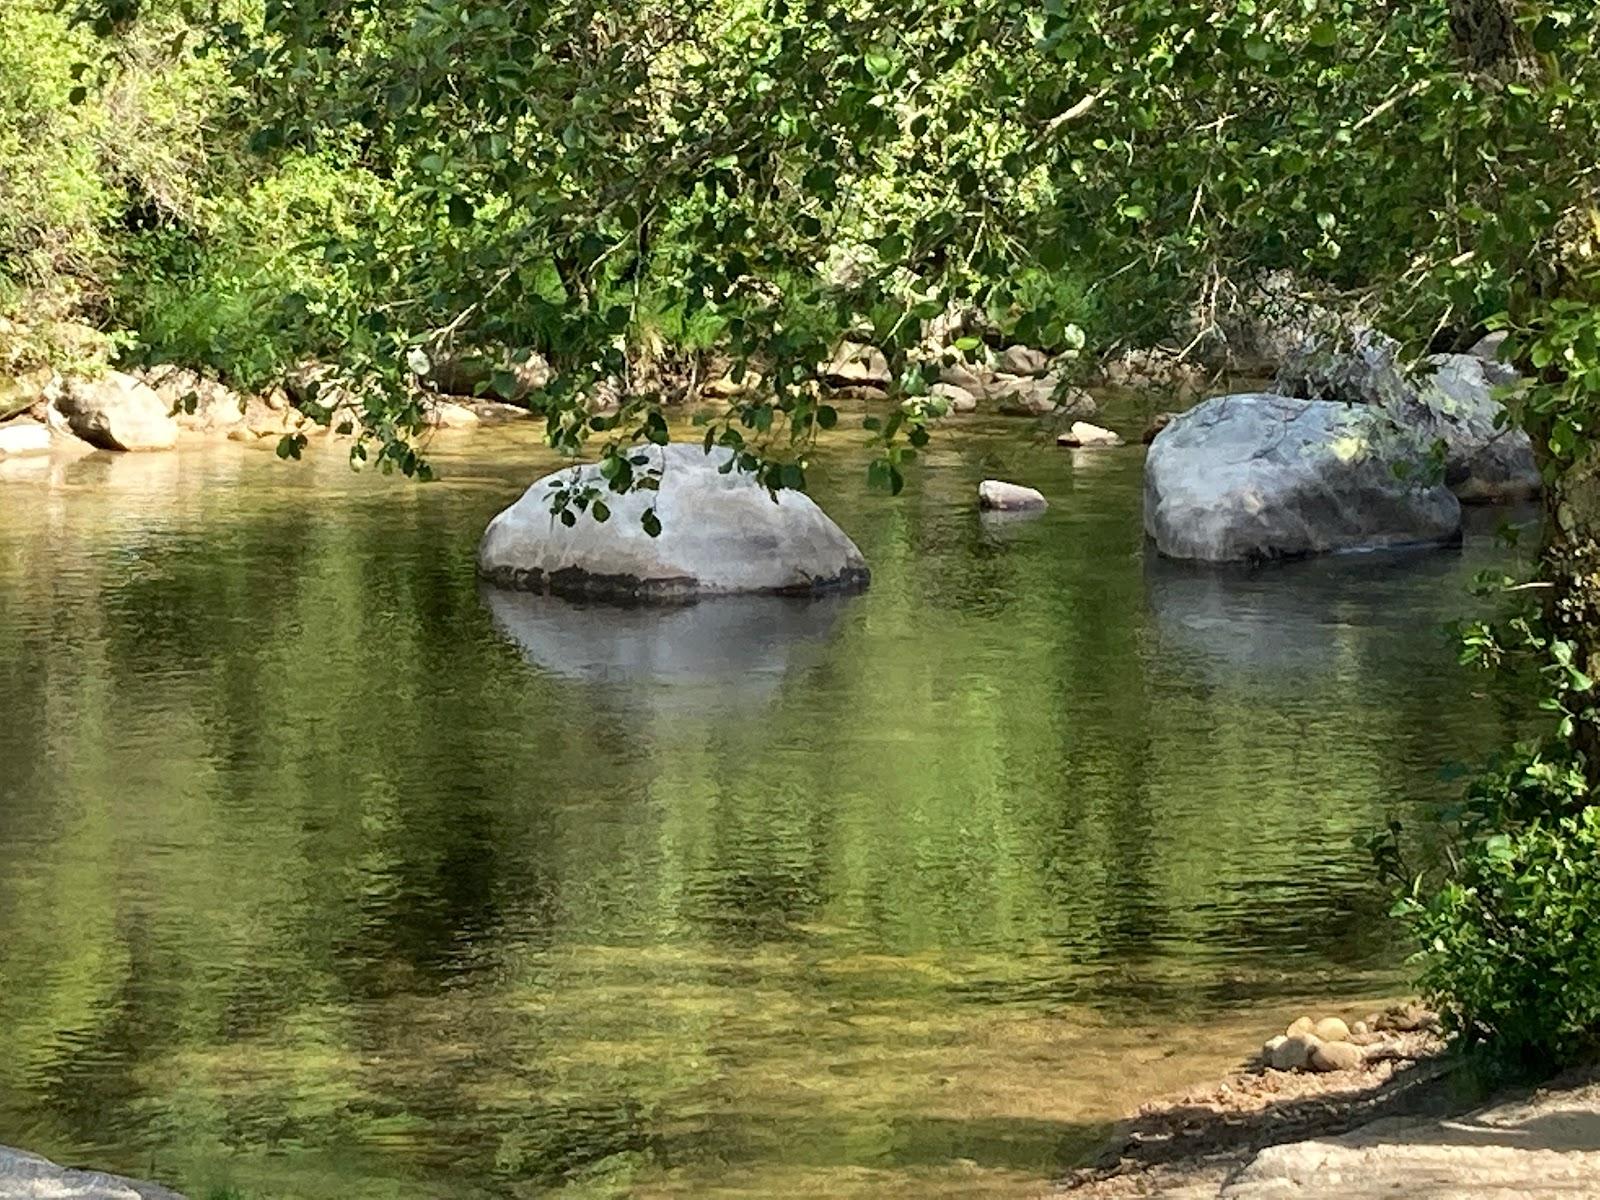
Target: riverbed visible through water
[327,873]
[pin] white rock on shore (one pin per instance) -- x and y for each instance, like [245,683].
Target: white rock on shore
[116,412]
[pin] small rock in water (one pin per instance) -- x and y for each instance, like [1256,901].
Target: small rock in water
[1332,1029]
[1337,1056]
[1302,1025]
[1000,496]
[1084,434]
[1360,1029]
[1294,1053]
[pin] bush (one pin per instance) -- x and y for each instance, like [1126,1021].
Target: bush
[251,292]
[1511,939]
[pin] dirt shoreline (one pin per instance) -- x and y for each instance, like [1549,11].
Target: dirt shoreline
[1390,1126]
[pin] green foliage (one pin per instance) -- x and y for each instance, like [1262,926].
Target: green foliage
[252,292]
[1512,937]
[98,135]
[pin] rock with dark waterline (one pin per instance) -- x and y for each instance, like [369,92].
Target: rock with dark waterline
[1253,477]
[722,533]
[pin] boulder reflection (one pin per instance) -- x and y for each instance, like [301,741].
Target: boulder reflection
[726,651]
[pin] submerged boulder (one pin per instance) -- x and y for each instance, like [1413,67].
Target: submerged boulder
[1254,477]
[116,412]
[722,533]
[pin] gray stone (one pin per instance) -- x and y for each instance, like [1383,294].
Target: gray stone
[18,438]
[1488,347]
[116,412]
[857,363]
[967,377]
[1256,477]
[197,404]
[722,533]
[1022,360]
[1332,1029]
[957,399]
[26,1176]
[1364,369]
[1023,396]
[1294,1052]
[1484,461]
[999,496]
[1084,434]
[1045,397]
[1336,1056]
[1451,400]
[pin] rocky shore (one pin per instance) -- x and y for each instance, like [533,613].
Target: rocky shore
[1396,1114]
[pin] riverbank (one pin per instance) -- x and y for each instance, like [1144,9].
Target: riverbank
[1417,1122]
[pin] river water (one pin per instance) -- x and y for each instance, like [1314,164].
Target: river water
[325,873]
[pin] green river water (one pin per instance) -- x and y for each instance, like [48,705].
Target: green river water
[326,874]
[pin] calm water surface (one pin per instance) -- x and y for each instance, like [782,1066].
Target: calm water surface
[327,874]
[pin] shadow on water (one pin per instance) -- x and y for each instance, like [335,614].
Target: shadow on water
[723,652]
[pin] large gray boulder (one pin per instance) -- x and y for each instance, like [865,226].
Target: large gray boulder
[1364,369]
[1450,399]
[116,412]
[1485,460]
[722,533]
[26,1176]
[1260,476]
